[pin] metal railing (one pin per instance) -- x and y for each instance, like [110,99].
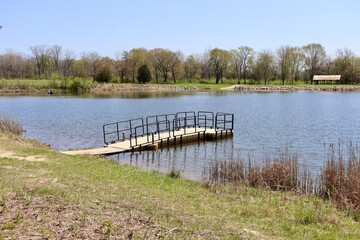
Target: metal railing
[120,131]
[157,118]
[164,126]
[162,130]
[183,124]
[224,121]
[205,119]
[182,115]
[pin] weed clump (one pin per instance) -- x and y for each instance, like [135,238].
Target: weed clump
[174,173]
[10,126]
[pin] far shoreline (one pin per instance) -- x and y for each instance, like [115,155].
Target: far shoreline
[294,88]
[121,87]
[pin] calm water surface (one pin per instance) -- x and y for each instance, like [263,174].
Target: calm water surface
[303,122]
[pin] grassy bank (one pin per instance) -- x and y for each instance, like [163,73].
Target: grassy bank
[44,194]
[38,85]
[28,84]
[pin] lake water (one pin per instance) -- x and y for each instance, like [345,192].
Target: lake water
[303,122]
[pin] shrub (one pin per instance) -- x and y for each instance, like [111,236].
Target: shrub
[75,84]
[174,173]
[10,126]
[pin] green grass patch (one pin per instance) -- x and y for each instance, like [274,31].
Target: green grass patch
[91,197]
[29,83]
[70,84]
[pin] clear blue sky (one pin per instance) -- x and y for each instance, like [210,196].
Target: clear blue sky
[191,26]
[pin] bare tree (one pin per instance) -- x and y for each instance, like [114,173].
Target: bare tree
[315,56]
[265,65]
[162,60]
[55,54]
[41,56]
[284,63]
[29,68]
[297,62]
[328,64]
[92,61]
[120,65]
[176,58]
[344,64]
[355,76]
[205,64]
[246,58]
[11,64]
[154,64]
[237,64]
[67,63]
[191,67]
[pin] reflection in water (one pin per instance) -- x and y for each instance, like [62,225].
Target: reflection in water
[133,94]
[140,94]
[189,159]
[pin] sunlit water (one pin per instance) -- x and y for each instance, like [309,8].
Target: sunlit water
[303,122]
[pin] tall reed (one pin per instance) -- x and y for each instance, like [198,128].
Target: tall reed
[280,173]
[277,174]
[340,178]
[338,181]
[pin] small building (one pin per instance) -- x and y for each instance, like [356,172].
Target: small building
[326,79]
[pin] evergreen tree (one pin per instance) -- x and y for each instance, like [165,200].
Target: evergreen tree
[104,75]
[144,74]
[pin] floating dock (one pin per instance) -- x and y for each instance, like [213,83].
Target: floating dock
[161,131]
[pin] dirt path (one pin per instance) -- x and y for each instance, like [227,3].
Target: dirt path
[230,88]
[9,154]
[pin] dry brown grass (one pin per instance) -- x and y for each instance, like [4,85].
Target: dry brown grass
[338,181]
[280,173]
[29,216]
[340,178]
[10,126]
[226,171]
[276,174]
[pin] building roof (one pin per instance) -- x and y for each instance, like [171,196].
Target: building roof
[327,77]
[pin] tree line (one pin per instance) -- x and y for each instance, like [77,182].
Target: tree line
[286,64]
